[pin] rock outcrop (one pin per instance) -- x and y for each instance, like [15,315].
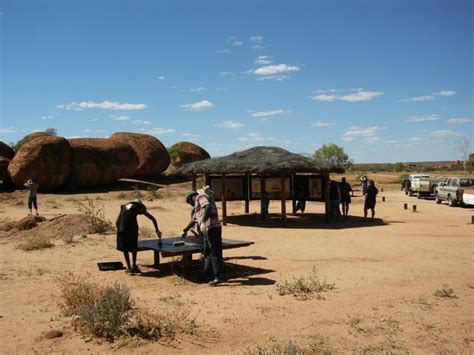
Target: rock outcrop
[5,180]
[185,152]
[46,158]
[6,151]
[98,161]
[153,157]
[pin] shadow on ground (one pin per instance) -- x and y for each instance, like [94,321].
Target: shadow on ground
[192,271]
[308,221]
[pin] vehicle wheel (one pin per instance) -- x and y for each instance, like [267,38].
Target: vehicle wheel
[437,199]
[418,195]
[451,201]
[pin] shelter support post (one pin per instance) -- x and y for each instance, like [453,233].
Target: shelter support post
[326,196]
[247,194]
[293,199]
[156,258]
[224,201]
[194,182]
[207,181]
[283,198]
[262,188]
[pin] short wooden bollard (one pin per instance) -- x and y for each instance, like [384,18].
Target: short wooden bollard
[472,219]
[413,208]
[381,190]
[405,206]
[383,198]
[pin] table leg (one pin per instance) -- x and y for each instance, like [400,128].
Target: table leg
[187,257]
[156,258]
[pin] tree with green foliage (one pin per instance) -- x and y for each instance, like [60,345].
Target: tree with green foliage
[47,132]
[398,167]
[333,154]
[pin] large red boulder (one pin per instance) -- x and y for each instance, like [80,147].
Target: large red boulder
[98,161]
[5,180]
[185,152]
[153,157]
[6,151]
[46,158]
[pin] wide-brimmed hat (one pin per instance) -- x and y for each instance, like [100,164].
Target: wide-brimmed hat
[189,195]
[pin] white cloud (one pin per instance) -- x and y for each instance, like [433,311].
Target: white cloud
[419,98]
[364,132]
[237,43]
[9,130]
[106,105]
[265,114]
[222,51]
[198,89]
[275,69]
[430,97]
[142,122]
[230,125]
[92,120]
[225,73]
[254,137]
[46,117]
[325,98]
[423,118]
[198,106]
[161,78]
[442,133]
[256,39]
[454,121]
[321,124]
[274,77]
[445,93]
[159,130]
[357,95]
[120,118]
[361,95]
[263,60]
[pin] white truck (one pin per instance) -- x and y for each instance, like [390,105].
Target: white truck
[425,186]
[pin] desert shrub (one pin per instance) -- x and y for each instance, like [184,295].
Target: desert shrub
[174,151]
[106,318]
[35,243]
[67,237]
[291,347]
[95,216]
[303,286]
[106,312]
[445,292]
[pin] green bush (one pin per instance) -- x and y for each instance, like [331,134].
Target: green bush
[95,216]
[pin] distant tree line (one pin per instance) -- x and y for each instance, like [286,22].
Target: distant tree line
[47,132]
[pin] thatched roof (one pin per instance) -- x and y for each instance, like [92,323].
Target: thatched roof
[268,160]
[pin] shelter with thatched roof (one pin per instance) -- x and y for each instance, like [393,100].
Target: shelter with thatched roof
[243,175]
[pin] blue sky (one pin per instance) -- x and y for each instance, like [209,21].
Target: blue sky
[387,80]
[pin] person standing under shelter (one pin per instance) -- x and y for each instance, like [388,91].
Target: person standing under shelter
[346,190]
[32,188]
[127,232]
[301,196]
[370,198]
[264,205]
[334,200]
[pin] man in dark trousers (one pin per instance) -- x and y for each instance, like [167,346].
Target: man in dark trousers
[127,232]
[206,217]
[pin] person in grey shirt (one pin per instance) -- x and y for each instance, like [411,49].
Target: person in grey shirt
[32,187]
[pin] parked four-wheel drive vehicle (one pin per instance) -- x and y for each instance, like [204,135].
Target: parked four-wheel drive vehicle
[456,190]
[407,184]
[424,186]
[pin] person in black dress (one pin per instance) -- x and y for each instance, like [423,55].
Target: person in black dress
[346,190]
[370,198]
[127,232]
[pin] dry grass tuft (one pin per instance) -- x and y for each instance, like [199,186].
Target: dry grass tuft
[445,292]
[302,287]
[35,243]
[106,312]
[95,216]
[316,345]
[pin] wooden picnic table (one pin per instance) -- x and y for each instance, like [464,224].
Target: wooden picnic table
[191,246]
